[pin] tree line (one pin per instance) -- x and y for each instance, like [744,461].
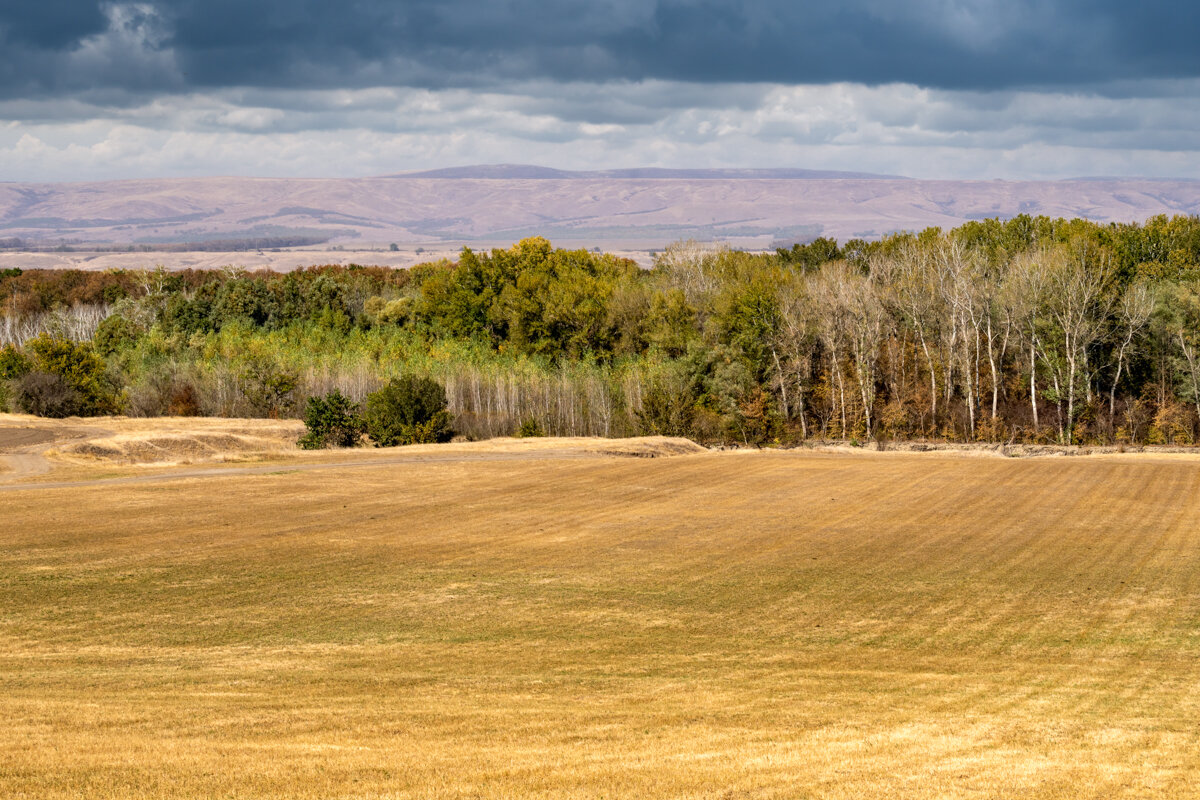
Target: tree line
[1029,329]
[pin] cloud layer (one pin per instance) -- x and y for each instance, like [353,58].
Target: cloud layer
[947,44]
[934,88]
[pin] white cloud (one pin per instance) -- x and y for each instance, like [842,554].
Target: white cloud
[899,128]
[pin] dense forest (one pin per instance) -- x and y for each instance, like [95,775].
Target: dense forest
[1029,330]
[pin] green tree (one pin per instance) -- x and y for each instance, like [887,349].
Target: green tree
[188,315]
[669,403]
[1179,319]
[538,299]
[82,386]
[244,299]
[672,323]
[811,256]
[270,389]
[408,410]
[331,421]
[13,363]
[749,319]
[115,333]
[530,428]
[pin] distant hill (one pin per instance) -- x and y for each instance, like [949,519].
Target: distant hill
[527,172]
[633,208]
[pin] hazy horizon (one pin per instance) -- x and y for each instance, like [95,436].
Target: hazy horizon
[610,173]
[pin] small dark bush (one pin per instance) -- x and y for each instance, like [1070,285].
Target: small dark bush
[408,410]
[529,428]
[47,395]
[332,421]
[184,401]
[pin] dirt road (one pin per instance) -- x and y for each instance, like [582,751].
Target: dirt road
[19,453]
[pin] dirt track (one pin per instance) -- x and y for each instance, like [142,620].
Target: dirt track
[15,460]
[16,438]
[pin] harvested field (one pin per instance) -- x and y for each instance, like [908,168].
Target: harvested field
[557,619]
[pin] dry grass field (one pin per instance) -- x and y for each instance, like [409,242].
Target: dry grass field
[554,619]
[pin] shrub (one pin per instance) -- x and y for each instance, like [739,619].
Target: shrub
[756,421]
[269,389]
[372,306]
[78,369]
[529,428]
[1172,425]
[408,410]
[668,406]
[380,311]
[396,312]
[183,401]
[332,421]
[47,395]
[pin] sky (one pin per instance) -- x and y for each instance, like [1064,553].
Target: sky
[981,89]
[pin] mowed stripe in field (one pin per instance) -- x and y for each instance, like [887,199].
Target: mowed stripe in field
[741,624]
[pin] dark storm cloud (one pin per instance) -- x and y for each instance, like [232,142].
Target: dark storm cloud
[60,46]
[51,24]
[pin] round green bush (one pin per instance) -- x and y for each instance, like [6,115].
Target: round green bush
[408,410]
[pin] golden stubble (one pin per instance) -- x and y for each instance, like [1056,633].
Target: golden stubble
[712,625]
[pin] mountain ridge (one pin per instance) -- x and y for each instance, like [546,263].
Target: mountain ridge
[592,209]
[534,172]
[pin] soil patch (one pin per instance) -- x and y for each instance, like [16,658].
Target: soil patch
[14,438]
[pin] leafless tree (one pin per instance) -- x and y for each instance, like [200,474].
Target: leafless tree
[694,267]
[852,321]
[914,292]
[1132,315]
[1077,305]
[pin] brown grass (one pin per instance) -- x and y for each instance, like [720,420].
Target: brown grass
[715,625]
[170,449]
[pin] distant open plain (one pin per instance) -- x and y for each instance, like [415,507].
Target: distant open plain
[626,211]
[556,618]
